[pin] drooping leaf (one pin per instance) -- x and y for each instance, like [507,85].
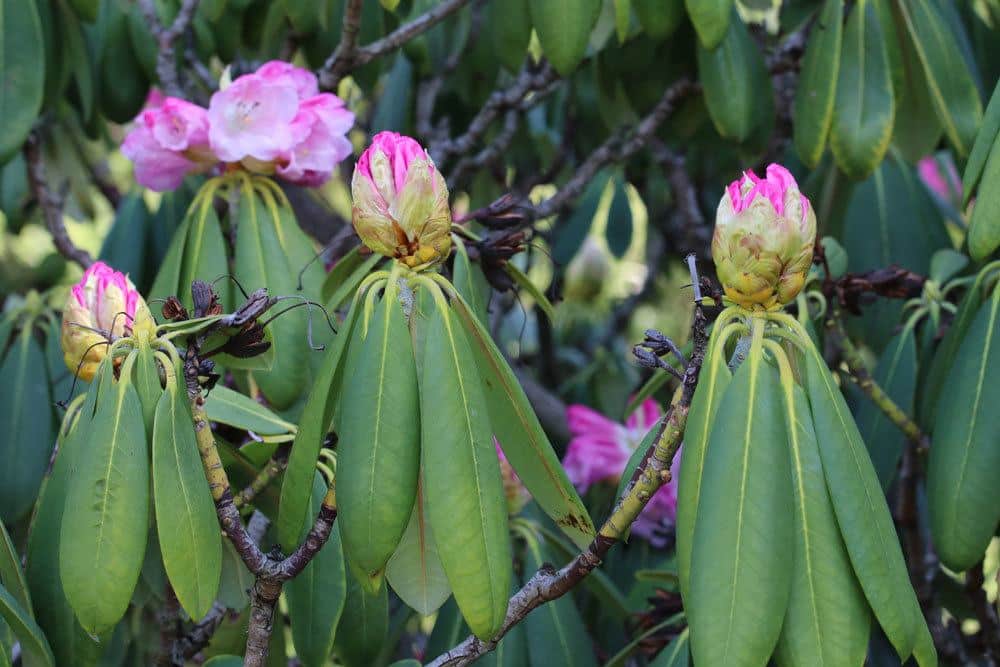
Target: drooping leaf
[733,75]
[317,595]
[953,91]
[827,621]
[363,625]
[524,282]
[379,448]
[414,571]
[103,538]
[984,225]
[711,19]
[520,434]
[185,513]
[313,427]
[555,631]
[962,497]
[11,575]
[343,279]
[862,514]
[146,378]
[712,384]
[742,550]
[817,87]
[865,103]
[33,642]
[464,491]
[896,373]
[29,433]
[563,28]
[509,26]
[985,138]
[235,409]
[659,18]
[125,245]
[470,282]
[22,75]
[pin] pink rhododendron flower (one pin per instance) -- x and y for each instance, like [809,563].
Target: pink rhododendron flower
[401,205]
[278,70]
[599,450]
[252,118]
[319,128]
[167,143]
[104,303]
[940,175]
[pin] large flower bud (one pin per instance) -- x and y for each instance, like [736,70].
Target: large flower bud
[401,202]
[765,230]
[104,304]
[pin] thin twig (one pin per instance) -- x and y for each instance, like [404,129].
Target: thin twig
[51,204]
[265,476]
[347,57]
[166,61]
[654,471]
[512,120]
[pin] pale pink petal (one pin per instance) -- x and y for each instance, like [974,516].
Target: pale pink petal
[156,167]
[278,70]
[252,118]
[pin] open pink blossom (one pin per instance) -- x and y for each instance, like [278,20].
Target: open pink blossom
[168,142]
[278,70]
[252,118]
[940,175]
[319,129]
[599,450]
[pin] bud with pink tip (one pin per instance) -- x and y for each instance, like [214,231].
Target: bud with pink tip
[401,202]
[765,230]
[103,305]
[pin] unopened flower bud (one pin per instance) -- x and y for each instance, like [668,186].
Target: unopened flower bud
[103,305]
[765,230]
[401,202]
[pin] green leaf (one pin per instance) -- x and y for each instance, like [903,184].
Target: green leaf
[86,9]
[896,373]
[414,571]
[185,513]
[623,16]
[524,282]
[962,495]
[363,625]
[343,279]
[509,26]
[464,491]
[230,407]
[270,250]
[470,282]
[866,105]
[862,514]
[953,91]
[379,449]
[449,629]
[314,424]
[555,631]
[125,83]
[146,378]
[659,18]
[917,132]
[22,78]
[33,642]
[563,28]
[827,621]
[236,580]
[676,654]
[519,432]
[946,264]
[711,19]
[26,413]
[125,245]
[984,225]
[742,550]
[511,651]
[733,75]
[71,643]
[316,596]
[104,525]
[712,384]
[985,138]
[11,575]
[813,110]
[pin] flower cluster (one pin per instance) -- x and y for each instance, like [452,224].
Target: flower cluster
[599,450]
[103,305]
[401,202]
[273,121]
[765,230]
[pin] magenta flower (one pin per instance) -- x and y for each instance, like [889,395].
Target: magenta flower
[319,129]
[401,205]
[599,450]
[168,142]
[941,177]
[103,304]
